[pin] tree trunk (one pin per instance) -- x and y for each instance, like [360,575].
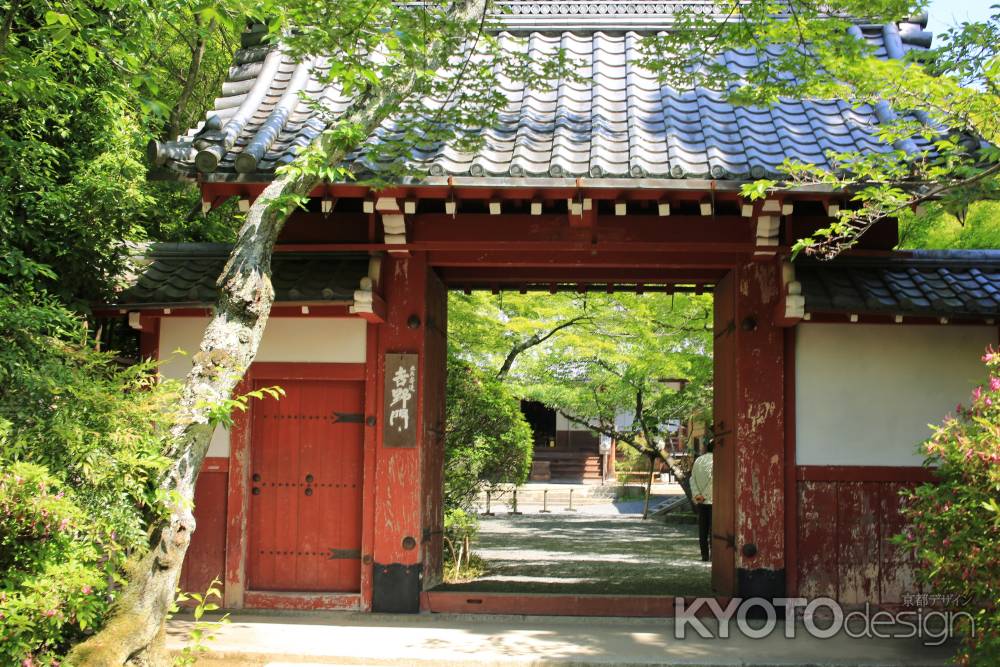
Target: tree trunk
[177,115]
[134,633]
[649,487]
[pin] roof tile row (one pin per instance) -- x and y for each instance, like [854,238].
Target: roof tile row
[615,120]
[931,284]
[186,274]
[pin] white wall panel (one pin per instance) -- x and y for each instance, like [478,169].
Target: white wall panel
[286,339]
[865,394]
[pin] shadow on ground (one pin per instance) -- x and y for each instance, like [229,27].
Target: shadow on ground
[581,554]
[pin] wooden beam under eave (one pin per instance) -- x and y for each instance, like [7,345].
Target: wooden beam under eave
[377,313]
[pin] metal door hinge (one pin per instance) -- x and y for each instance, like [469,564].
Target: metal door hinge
[337,554]
[728,539]
[348,418]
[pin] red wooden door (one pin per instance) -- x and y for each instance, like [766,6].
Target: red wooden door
[305,502]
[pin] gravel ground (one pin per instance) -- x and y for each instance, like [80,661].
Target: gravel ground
[608,552]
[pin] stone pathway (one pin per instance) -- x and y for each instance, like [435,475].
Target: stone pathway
[588,553]
[343,638]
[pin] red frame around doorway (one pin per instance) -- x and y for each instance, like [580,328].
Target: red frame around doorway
[543,604]
[236,594]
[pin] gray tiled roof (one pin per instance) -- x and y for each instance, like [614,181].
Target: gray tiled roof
[173,274]
[925,283]
[618,121]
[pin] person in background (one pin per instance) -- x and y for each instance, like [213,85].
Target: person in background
[701,492]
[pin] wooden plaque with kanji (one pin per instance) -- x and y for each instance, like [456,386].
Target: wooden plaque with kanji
[401,384]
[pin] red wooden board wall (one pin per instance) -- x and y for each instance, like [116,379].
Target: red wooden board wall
[206,556]
[844,548]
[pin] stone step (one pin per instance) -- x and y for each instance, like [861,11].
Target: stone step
[446,640]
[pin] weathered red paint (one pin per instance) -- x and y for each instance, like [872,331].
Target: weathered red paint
[749,489]
[857,551]
[397,470]
[816,473]
[791,507]
[897,565]
[817,540]
[760,430]
[302,601]
[847,516]
[206,555]
[467,602]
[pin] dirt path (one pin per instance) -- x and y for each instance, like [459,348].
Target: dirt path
[564,553]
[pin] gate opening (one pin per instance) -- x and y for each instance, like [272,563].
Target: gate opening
[610,393]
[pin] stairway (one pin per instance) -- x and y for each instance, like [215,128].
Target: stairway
[580,467]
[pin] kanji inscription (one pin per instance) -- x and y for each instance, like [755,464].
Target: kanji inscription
[400,401]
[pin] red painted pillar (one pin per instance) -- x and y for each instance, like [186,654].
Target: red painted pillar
[398,534]
[760,433]
[149,338]
[432,455]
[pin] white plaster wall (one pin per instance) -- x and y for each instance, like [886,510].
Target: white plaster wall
[286,339]
[865,394]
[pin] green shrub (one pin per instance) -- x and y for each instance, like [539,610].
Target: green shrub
[488,441]
[955,522]
[95,425]
[80,461]
[460,528]
[55,566]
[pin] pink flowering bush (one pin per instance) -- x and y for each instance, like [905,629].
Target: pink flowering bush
[54,572]
[955,522]
[81,441]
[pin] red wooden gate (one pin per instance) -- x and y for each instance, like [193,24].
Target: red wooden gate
[305,503]
[724,454]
